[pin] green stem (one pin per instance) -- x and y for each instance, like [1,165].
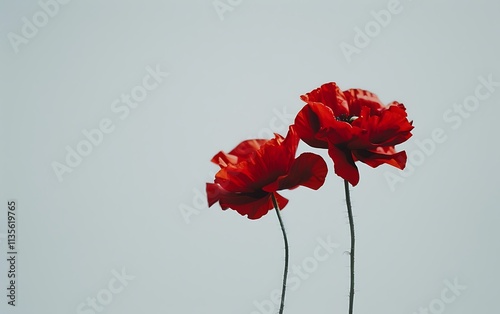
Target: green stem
[351,225]
[285,273]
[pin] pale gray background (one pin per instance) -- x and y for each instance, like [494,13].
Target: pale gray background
[120,207]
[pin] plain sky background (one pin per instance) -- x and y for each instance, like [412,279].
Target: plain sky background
[136,201]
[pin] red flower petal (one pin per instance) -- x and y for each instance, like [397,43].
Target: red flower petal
[340,132]
[257,209]
[241,152]
[213,193]
[310,120]
[248,147]
[254,206]
[271,160]
[223,160]
[390,127]
[235,178]
[274,159]
[382,155]
[330,95]
[344,165]
[359,98]
[308,170]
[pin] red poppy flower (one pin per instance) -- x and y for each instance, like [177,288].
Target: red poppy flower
[354,125]
[256,169]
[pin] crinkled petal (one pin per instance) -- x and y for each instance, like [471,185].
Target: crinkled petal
[241,152]
[359,98]
[382,155]
[390,127]
[246,148]
[330,95]
[223,159]
[272,160]
[393,127]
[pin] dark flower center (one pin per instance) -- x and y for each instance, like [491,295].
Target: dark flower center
[346,118]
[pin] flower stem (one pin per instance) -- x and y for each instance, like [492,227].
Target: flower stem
[285,273]
[351,225]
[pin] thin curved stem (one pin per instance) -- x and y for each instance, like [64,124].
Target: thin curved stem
[285,273]
[351,225]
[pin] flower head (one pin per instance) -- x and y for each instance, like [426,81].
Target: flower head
[256,169]
[355,126]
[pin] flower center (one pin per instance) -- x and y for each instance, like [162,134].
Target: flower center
[346,118]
